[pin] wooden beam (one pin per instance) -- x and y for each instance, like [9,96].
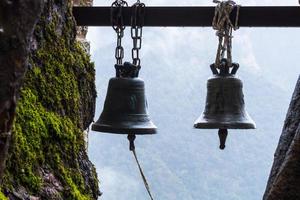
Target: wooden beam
[193,16]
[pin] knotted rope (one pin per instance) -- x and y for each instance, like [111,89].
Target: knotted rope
[224,26]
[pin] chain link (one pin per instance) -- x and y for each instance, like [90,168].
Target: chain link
[117,22]
[137,22]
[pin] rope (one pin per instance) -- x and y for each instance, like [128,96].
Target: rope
[142,174]
[131,138]
[224,26]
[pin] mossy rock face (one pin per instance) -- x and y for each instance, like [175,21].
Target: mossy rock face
[47,156]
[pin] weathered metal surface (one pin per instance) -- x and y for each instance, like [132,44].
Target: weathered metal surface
[225,106]
[125,108]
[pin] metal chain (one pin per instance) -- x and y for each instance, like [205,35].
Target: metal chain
[222,23]
[117,22]
[137,22]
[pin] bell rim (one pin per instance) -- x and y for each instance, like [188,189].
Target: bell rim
[102,128]
[222,122]
[230,125]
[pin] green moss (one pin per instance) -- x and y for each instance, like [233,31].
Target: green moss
[50,115]
[2,196]
[45,138]
[56,79]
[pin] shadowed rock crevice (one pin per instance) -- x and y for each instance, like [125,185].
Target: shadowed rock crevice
[17,21]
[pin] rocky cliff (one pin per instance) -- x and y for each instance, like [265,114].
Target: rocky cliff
[47,157]
[284,180]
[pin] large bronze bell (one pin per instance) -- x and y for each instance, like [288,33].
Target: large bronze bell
[125,107]
[225,106]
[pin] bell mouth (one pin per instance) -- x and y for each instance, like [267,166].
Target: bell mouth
[217,125]
[147,128]
[139,124]
[228,122]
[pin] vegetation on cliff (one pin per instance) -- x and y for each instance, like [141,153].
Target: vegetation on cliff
[47,156]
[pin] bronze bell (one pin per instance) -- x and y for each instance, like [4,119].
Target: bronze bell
[225,106]
[125,107]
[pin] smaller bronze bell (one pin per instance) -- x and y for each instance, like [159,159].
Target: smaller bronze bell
[225,106]
[125,107]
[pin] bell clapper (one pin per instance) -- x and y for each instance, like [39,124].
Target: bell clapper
[222,136]
[131,138]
